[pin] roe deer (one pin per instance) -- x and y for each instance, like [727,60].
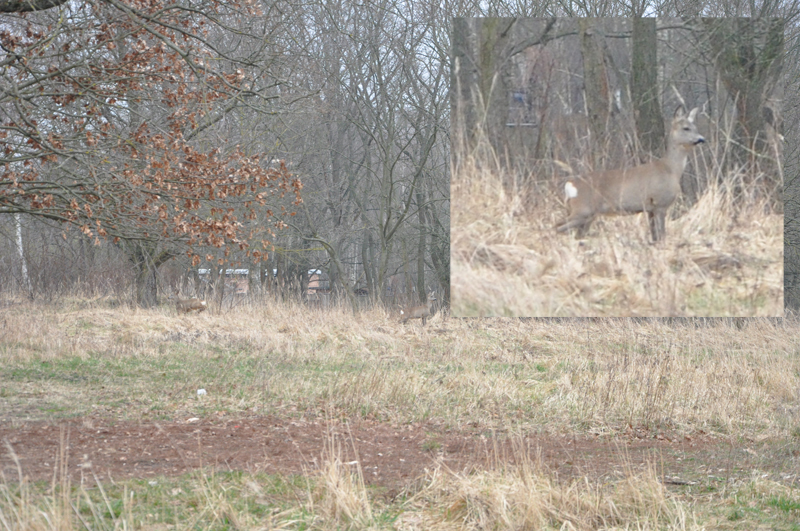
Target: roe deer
[650,188]
[188,305]
[422,311]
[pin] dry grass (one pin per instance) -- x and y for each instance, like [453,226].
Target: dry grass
[524,496]
[720,258]
[340,495]
[527,497]
[25,507]
[541,375]
[518,376]
[520,497]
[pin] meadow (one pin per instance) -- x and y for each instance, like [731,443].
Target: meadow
[495,423]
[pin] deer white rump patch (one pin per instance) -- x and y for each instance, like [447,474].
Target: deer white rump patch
[570,190]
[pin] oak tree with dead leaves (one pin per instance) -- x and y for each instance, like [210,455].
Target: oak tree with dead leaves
[103,110]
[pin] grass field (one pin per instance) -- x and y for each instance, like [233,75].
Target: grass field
[718,404]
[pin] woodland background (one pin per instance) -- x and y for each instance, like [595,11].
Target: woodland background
[144,140]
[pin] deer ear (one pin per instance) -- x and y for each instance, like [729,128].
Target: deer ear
[692,114]
[680,112]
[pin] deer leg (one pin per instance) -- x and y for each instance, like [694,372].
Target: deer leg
[657,220]
[569,223]
[581,231]
[580,223]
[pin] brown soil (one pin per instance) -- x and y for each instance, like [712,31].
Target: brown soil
[391,456]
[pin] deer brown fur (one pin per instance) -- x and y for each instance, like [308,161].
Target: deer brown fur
[649,188]
[422,311]
[188,305]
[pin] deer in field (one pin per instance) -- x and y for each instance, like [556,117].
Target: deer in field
[422,311]
[188,305]
[649,188]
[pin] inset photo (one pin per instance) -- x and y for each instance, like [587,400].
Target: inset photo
[617,167]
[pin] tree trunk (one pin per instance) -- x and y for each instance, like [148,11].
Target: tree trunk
[644,85]
[25,280]
[749,60]
[462,81]
[440,258]
[340,274]
[493,78]
[421,248]
[146,259]
[595,77]
[368,265]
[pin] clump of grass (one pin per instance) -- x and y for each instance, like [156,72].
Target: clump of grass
[525,496]
[23,506]
[336,497]
[340,498]
[721,257]
[755,503]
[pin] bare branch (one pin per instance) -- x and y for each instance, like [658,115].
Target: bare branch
[26,6]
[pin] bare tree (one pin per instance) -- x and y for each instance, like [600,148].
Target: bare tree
[374,156]
[101,105]
[748,55]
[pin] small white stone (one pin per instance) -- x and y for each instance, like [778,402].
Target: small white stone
[201,392]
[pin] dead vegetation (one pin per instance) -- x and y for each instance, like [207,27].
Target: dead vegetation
[721,257]
[613,379]
[547,375]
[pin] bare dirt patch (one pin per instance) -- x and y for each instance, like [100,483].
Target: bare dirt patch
[391,456]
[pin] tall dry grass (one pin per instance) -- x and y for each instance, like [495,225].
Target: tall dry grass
[727,379]
[523,495]
[528,497]
[723,256]
[540,375]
